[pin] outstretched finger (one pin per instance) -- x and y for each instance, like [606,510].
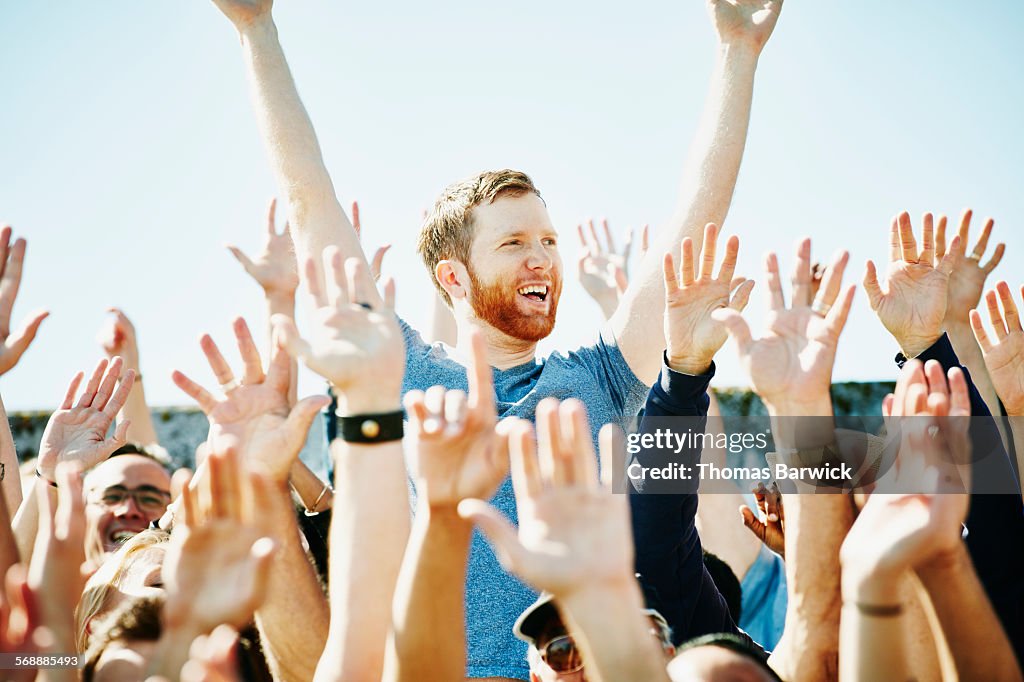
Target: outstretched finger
[18,342]
[480,376]
[241,258]
[94,383]
[106,388]
[776,301]
[965,227]
[360,287]
[596,244]
[979,248]
[741,296]
[221,369]
[315,283]
[908,245]
[609,239]
[995,316]
[732,252]
[250,354]
[644,240]
[583,238]
[959,394]
[871,286]
[686,267]
[527,477]
[836,317]
[334,280]
[378,261]
[936,378]
[1010,312]
[940,238]
[69,396]
[272,217]
[832,280]
[203,397]
[549,448]
[708,249]
[979,332]
[611,443]
[927,240]
[802,274]
[997,256]
[296,347]
[356,224]
[894,239]
[10,281]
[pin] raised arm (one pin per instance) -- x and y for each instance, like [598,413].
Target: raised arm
[709,175]
[119,339]
[315,215]
[454,453]
[358,348]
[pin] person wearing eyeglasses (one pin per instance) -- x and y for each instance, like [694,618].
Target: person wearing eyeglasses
[553,654]
[122,496]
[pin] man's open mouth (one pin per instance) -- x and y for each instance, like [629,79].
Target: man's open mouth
[535,292]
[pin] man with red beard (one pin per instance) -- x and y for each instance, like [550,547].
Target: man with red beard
[491,248]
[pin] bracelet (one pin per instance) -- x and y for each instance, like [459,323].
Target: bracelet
[40,475]
[382,427]
[880,610]
[315,509]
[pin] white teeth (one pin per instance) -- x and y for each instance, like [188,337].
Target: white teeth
[123,535]
[534,289]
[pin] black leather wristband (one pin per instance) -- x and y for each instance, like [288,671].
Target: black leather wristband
[370,428]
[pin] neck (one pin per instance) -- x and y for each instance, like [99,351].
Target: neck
[503,351]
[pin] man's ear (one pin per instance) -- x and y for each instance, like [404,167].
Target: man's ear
[454,278]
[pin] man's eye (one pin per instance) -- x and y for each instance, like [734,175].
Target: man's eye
[113,498]
[151,501]
[550,242]
[513,242]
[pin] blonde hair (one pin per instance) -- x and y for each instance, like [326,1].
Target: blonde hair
[447,232]
[106,582]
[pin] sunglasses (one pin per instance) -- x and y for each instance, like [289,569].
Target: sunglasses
[562,655]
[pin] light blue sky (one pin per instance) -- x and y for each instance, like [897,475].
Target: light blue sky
[130,153]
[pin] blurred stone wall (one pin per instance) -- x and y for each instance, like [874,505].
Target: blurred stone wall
[180,430]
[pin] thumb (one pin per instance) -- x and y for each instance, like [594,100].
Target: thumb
[752,522]
[19,341]
[241,258]
[736,326]
[294,345]
[621,280]
[302,415]
[499,532]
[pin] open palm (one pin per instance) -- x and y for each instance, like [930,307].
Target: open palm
[1003,350]
[749,20]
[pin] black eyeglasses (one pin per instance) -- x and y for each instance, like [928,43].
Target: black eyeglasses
[146,498]
[563,656]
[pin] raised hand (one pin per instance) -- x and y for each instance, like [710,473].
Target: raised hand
[253,415]
[601,269]
[749,22]
[241,13]
[692,336]
[19,621]
[573,532]
[791,366]
[770,526]
[212,657]
[912,305]
[13,345]
[274,268]
[356,346]
[454,451]
[77,432]
[1004,350]
[216,568]
[967,278]
[118,338]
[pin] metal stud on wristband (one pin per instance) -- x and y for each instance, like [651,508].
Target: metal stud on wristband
[370,428]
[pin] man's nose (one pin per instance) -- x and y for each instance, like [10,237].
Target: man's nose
[129,507]
[540,258]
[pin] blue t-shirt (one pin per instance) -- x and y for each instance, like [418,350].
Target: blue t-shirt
[598,376]
[763,613]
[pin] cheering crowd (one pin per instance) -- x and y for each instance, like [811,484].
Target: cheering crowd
[477,522]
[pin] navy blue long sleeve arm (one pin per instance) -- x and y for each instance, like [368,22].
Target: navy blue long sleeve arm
[995,522]
[669,556]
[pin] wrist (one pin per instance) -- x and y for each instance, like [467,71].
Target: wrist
[358,402]
[943,569]
[875,586]
[256,24]
[740,50]
[688,364]
[912,346]
[814,406]
[280,301]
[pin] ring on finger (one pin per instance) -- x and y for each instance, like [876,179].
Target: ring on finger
[819,307]
[976,257]
[229,385]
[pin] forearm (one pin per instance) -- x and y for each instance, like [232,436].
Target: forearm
[294,618]
[709,177]
[26,521]
[369,531]
[872,646]
[316,217]
[815,528]
[428,640]
[9,478]
[961,336]
[141,429]
[614,633]
[973,633]
[316,495]
[283,303]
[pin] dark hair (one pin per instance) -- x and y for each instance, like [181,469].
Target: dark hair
[742,645]
[727,583]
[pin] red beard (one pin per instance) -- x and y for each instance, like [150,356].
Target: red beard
[496,304]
